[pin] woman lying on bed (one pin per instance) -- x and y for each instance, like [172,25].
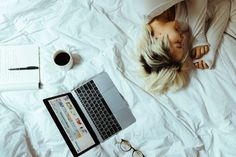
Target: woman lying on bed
[173,31]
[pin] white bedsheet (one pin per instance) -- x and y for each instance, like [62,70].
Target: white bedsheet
[198,121]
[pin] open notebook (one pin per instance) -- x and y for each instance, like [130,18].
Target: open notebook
[19,67]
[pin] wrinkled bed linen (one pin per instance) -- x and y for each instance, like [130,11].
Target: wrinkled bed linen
[198,121]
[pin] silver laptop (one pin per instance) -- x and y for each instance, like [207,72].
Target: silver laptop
[90,114]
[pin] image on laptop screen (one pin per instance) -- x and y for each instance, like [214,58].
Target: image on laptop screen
[72,123]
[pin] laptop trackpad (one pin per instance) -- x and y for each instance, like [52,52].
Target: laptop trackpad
[114,100]
[125,118]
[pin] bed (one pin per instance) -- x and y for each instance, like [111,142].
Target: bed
[197,121]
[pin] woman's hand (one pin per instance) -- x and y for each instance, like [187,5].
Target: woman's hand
[199,51]
[201,65]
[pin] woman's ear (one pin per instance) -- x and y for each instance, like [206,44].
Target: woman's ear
[151,32]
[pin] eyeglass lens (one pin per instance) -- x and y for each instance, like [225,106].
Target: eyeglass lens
[126,146]
[137,153]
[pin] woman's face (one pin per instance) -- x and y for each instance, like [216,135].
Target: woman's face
[176,33]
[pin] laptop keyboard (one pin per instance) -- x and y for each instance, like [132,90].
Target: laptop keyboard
[98,110]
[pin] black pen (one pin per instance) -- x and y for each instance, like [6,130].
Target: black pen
[25,68]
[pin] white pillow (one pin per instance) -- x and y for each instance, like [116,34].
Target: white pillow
[147,9]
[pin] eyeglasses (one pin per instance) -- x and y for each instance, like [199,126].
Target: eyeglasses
[126,146]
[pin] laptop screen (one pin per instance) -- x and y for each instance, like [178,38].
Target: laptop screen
[72,123]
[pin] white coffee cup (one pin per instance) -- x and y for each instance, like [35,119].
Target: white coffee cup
[63,60]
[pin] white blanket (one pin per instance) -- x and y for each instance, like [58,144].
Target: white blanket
[198,121]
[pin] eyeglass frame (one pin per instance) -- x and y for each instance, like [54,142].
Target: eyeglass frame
[131,147]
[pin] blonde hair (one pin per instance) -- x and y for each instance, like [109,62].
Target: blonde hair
[161,71]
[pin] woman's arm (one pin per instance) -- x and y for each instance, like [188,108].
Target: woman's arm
[220,12]
[196,13]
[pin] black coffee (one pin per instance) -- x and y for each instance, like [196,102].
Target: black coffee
[62,58]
